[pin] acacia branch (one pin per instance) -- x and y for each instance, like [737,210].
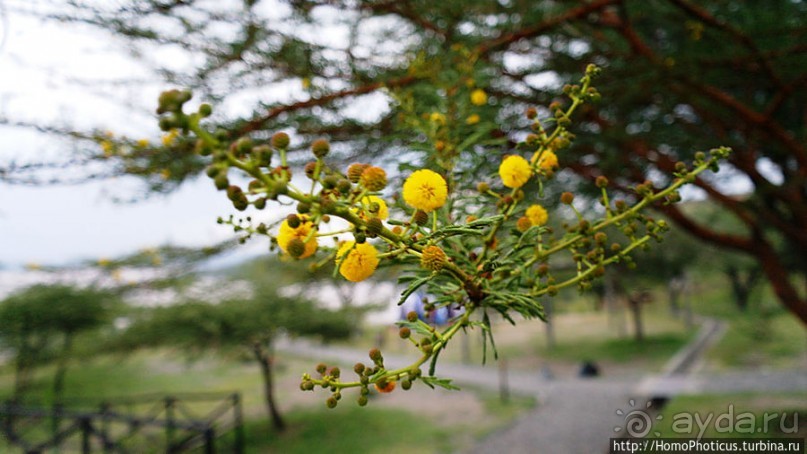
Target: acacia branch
[529,32]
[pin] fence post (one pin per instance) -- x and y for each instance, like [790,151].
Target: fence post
[86,427]
[210,441]
[169,423]
[239,424]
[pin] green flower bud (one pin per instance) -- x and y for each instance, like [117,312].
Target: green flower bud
[320,148]
[421,217]
[221,181]
[280,140]
[374,226]
[293,221]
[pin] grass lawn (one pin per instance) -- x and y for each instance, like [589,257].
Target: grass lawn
[735,415]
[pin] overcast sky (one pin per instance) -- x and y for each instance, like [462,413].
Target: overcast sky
[39,63]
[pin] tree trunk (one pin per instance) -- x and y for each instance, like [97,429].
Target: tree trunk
[674,288]
[22,365]
[61,370]
[265,360]
[636,310]
[742,286]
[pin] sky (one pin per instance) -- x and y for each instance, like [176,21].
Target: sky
[62,224]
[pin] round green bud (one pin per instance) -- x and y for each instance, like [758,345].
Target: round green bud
[243,145]
[404,332]
[233,191]
[601,182]
[335,372]
[309,169]
[421,217]
[262,154]
[482,187]
[362,401]
[358,368]
[374,226]
[295,247]
[360,237]
[337,395]
[321,368]
[303,207]
[213,171]
[567,198]
[412,316]
[205,110]
[166,124]
[330,181]
[375,355]
[320,148]
[406,385]
[260,203]
[331,402]
[343,186]
[293,221]
[280,140]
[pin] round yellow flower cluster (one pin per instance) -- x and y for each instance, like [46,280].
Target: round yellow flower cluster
[515,171]
[425,190]
[356,262]
[479,97]
[304,232]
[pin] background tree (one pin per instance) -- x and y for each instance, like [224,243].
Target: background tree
[41,323]
[250,326]
[679,76]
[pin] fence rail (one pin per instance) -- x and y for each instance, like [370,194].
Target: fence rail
[198,422]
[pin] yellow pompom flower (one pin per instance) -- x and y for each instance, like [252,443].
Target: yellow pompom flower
[472,119]
[537,215]
[171,137]
[479,97]
[548,160]
[425,190]
[367,204]
[287,233]
[356,262]
[515,171]
[437,117]
[108,147]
